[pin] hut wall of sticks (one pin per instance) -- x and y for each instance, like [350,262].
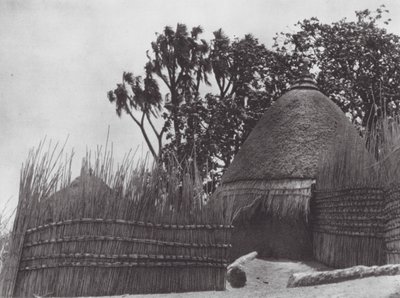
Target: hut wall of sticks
[111,232]
[356,204]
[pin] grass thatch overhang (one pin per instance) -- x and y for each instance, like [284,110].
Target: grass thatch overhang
[271,217]
[289,138]
[284,199]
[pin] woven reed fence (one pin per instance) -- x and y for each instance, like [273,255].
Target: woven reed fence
[392,228]
[389,160]
[358,222]
[348,227]
[347,209]
[115,232]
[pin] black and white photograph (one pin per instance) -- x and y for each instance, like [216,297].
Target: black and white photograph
[200,148]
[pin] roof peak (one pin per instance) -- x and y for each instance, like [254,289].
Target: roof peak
[306,81]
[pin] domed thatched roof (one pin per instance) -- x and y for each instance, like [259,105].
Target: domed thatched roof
[81,197]
[289,138]
[87,184]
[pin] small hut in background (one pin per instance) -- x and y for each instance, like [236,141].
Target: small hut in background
[271,177]
[87,189]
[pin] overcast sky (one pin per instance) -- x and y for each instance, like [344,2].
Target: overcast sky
[59,58]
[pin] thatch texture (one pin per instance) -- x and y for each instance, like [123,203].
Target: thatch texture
[111,232]
[271,217]
[289,138]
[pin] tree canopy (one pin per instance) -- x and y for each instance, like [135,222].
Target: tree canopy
[356,64]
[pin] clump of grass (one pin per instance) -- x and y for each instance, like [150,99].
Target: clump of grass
[348,164]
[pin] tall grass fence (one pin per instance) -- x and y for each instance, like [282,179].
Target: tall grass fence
[115,229]
[356,204]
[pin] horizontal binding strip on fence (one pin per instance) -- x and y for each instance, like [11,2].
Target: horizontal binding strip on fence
[127,222]
[125,264]
[391,190]
[348,233]
[392,200]
[366,231]
[127,256]
[124,239]
[393,238]
[347,201]
[350,197]
[391,208]
[351,213]
[238,188]
[334,216]
[289,194]
[392,251]
[344,224]
[339,216]
[353,189]
[391,226]
[321,204]
[353,196]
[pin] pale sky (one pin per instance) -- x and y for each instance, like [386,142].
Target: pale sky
[59,58]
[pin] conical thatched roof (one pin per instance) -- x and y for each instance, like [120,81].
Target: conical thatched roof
[291,135]
[86,191]
[85,183]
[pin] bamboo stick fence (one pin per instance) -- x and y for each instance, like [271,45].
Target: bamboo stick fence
[132,230]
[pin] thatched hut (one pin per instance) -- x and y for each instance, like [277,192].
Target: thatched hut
[272,175]
[81,198]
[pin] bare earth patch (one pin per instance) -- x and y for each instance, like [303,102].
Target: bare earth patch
[268,278]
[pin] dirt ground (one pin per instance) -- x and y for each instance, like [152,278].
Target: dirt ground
[268,278]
